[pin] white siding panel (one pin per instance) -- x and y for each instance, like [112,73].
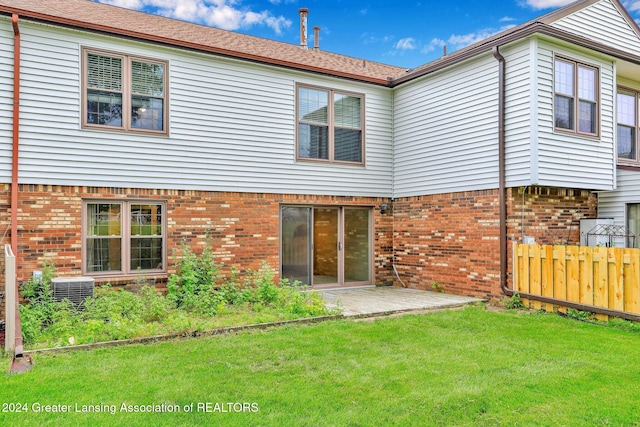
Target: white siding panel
[604,23]
[612,204]
[232,126]
[518,127]
[446,131]
[6,98]
[567,160]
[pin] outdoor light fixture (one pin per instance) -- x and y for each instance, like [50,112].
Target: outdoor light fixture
[383,208]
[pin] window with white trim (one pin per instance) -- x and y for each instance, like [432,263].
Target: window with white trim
[123,92]
[576,90]
[330,125]
[124,237]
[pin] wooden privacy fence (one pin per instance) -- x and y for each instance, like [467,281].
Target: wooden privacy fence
[596,276]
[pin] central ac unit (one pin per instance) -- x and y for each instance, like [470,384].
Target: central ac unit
[75,289]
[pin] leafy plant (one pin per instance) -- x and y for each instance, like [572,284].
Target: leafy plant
[514,302]
[198,298]
[195,276]
[437,287]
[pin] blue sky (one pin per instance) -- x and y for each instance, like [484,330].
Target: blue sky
[403,33]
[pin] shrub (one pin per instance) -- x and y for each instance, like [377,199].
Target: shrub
[195,276]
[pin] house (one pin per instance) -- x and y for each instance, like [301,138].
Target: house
[130,134]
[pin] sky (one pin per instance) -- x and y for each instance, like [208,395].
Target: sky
[397,32]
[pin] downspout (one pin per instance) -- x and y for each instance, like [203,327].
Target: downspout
[16,133]
[501,172]
[16,366]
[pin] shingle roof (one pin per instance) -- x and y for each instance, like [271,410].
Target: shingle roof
[94,16]
[86,14]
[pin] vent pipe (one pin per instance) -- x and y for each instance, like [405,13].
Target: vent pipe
[316,38]
[303,27]
[444,50]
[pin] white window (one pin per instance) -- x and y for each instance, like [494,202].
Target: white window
[123,92]
[576,91]
[627,119]
[330,125]
[124,237]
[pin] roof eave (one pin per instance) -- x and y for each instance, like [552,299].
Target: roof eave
[509,37]
[103,29]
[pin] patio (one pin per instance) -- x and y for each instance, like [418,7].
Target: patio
[375,301]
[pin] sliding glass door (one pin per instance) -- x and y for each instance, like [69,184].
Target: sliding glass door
[326,246]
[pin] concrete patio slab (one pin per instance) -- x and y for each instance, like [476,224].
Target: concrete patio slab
[372,301]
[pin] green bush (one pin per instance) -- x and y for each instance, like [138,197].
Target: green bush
[195,276]
[196,292]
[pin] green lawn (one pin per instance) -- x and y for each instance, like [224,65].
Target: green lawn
[465,367]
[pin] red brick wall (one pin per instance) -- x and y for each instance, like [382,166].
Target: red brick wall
[453,239]
[243,228]
[550,215]
[448,238]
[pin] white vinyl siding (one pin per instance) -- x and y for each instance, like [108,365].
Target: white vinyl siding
[612,204]
[603,23]
[446,130]
[520,125]
[6,98]
[232,126]
[570,160]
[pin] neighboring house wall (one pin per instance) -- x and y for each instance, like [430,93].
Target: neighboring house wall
[232,125]
[613,204]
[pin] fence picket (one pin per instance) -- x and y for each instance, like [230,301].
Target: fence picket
[600,279]
[616,289]
[573,274]
[632,281]
[547,274]
[535,286]
[560,275]
[586,274]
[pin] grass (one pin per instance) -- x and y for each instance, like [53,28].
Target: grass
[466,367]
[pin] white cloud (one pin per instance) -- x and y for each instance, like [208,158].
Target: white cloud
[225,14]
[369,38]
[545,4]
[458,41]
[433,44]
[408,43]
[507,19]
[631,5]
